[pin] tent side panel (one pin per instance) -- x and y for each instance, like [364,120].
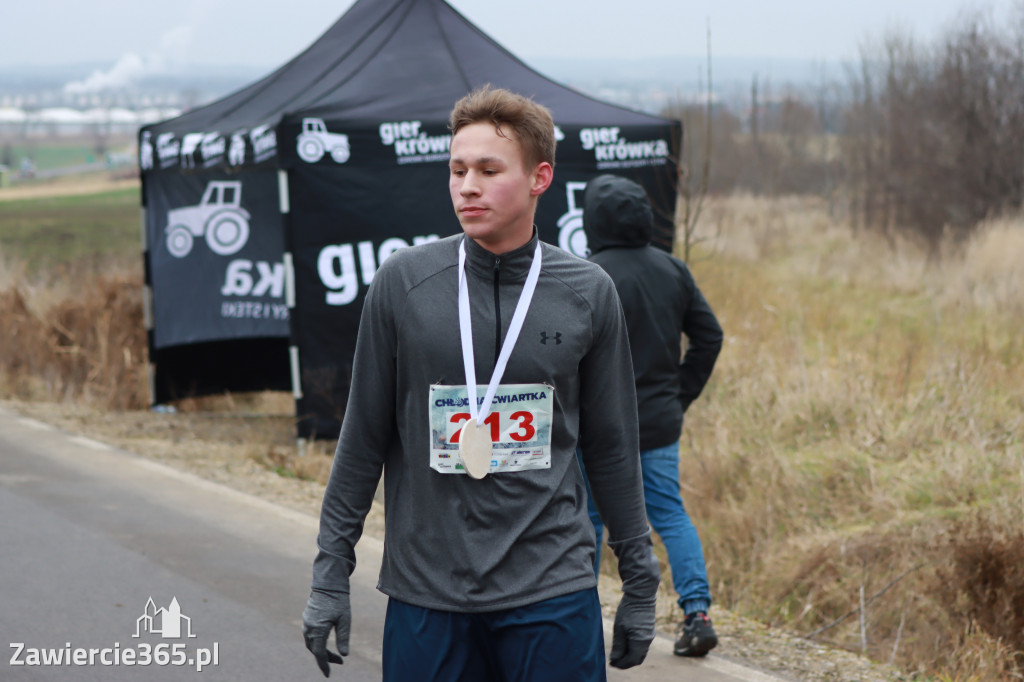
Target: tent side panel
[214,265]
[349,213]
[345,221]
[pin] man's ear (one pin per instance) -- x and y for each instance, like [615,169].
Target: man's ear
[543,175]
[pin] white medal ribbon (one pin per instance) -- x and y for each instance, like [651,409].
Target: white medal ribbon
[475,445]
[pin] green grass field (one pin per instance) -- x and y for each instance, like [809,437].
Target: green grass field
[49,154]
[57,232]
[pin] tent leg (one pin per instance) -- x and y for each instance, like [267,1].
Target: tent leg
[147,309]
[293,358]
[284,206]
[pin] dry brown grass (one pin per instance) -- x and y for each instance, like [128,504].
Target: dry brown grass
[868,403]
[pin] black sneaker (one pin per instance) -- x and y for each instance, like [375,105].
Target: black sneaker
[696,636]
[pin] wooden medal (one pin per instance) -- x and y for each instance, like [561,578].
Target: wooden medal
[475,449]
[475,446]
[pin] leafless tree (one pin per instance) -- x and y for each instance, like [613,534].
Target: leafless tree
[934,137]
[694,189]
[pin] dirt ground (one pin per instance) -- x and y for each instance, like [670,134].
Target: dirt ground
[258,454]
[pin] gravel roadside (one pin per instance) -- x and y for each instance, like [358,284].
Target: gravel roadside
[256,455]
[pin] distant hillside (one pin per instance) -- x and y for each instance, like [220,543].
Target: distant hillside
[639,83]
[689,73]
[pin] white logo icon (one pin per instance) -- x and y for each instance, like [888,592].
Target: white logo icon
[212,147]
[165,622]
[189,144]
[146,151]
[236,152]
[264,142]
[314,141]
[219,217]
[571,236]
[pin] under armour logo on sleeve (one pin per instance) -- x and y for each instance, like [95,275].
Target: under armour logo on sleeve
[557,338]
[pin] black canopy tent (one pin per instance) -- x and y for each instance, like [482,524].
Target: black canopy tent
[268,211]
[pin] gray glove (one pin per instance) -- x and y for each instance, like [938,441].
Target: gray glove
[327,610]
[633,631]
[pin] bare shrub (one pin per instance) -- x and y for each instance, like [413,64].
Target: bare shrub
[985,582]
[25,358]
[728,155]
[926,595]
[934,135]
[789,155]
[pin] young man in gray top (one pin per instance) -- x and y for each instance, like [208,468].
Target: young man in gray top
[488,547]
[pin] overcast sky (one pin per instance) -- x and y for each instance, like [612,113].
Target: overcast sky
[260,33]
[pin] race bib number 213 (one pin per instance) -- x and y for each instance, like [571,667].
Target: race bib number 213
[519,425]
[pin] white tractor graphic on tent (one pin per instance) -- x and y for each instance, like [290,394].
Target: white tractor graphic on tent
[314,141]
[219,218]
[571,236]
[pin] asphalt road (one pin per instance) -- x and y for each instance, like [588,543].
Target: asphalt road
[89,534]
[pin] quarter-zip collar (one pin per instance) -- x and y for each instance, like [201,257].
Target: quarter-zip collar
[513,265]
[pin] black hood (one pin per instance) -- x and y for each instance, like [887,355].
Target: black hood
[616,212]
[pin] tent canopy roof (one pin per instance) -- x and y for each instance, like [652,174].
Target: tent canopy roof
[410,59]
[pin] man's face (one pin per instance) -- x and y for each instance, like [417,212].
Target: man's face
[494,195]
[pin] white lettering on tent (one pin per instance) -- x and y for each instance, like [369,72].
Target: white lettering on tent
[264,142]
[423,145]
[167,149]
[254,310]
[412,145]
[238,279]
[336,265]
[613,151]
[271,279]
[623,150]
[366,261]
[402,130]
[213,147]
[590,137]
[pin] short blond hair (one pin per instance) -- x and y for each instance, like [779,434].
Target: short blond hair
[531,123]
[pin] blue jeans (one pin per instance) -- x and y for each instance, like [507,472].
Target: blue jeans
[668,517]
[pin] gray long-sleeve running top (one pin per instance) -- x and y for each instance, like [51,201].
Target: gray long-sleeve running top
[512,538]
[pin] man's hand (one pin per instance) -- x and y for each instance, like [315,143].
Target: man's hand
[634,619]
[633,631]
[327,610]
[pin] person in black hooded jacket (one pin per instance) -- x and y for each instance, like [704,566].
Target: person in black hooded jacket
[661,302]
